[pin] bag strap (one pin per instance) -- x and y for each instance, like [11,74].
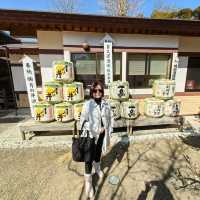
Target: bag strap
[75,128]
[83,124]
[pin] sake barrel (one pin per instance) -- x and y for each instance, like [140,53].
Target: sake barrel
[77,110]
[52,92]
[73,92]
[119,90]
[115,108]
[63,112]
[130,109]
[172,107]
[164,88]
[63,71]
[154,107]
[43,112]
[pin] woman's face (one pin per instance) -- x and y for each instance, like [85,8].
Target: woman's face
[97,92]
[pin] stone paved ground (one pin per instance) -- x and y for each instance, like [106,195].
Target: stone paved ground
[154,166]
[170,166]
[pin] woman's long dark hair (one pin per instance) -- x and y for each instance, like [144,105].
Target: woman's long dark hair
[94,85]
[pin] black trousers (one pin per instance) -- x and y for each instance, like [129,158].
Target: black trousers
[98,151]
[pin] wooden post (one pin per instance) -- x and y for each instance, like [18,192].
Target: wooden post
[180,123]
[128,126]
[23,135]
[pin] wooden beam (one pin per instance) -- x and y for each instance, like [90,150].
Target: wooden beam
[33,21]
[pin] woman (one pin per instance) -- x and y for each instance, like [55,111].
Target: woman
[96,118]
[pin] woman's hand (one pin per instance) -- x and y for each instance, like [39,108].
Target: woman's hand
[102,130]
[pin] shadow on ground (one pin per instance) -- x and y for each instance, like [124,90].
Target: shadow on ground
[193,141]
[12,120]
[160,168]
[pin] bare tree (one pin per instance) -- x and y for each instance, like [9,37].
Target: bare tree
[66,6]
[121,7]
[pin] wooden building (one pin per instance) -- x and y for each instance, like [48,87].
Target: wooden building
[143,50]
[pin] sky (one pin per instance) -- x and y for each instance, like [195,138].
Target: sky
[90,6]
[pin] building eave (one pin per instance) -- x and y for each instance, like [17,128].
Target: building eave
[27,23]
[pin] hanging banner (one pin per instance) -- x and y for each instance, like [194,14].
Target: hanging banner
[29,75]
[108,62]
[175,61]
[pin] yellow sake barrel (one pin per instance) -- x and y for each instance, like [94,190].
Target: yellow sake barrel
[172,107]
[164,88]
[53,92]
[119,90]
[130,109]
[154,107]
[63,112]
[43,112]
[115,108]
[77,110]
[73,92]
[63,71]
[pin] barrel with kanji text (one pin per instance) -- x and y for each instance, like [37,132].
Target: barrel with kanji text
[130,109]
[73,92]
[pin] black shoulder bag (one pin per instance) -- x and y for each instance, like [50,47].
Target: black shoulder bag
[83,148]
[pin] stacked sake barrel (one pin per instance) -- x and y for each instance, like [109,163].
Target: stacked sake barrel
[163,102]
[121,105]
[62,97]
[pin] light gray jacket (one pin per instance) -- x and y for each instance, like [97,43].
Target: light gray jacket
[92,114]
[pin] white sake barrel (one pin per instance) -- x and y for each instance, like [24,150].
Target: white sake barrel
[172,107]
[154,107]
[164,88]
[115,108]
[53,92]
[77,110]
[130,109]
[73,92]
[63,71]
[119,90]
[43,112]
[63,112]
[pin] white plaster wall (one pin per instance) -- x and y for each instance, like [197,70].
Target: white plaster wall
[124,68]
[49,39]
[181,74]
[189,44]
[126,40]
[18,78]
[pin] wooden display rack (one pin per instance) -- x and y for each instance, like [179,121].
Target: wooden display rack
[31,126]
[143,120]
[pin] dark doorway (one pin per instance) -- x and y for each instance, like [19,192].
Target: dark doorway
[193,74]
[7,99]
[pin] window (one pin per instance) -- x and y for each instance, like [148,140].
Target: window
[144,68]
[159,65]
[85,67]
[85,63]
[137,64]
[90,66]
